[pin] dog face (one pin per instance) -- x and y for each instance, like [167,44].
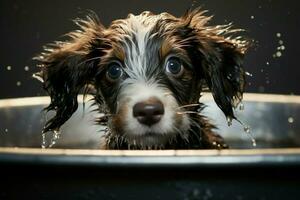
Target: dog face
[145,70]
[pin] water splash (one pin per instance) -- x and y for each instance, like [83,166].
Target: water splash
[53,141]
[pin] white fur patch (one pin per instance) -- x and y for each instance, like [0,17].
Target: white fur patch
[139,28]
[162,131]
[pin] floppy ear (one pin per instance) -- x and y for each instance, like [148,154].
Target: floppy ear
[67,67]
[225,76]
[221,53]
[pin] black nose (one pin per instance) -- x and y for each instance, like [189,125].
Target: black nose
[149,112]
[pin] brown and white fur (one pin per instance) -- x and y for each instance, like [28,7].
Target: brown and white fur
[146,73]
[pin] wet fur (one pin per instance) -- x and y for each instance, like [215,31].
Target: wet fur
[214,55]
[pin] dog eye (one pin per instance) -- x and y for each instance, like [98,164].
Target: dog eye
[174,66]
[114,71]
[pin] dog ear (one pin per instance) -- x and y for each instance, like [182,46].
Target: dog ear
[224,75]
[67,67]
[221,55]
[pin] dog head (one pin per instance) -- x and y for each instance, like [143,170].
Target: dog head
[145,69]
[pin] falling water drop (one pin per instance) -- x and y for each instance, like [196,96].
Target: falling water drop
[248,74]
[253,142]
[18,83]
[8,68]
[229,121]
[278,35]
[55,137]
[242,106]
[291,120]
[247,131]
[6,130]
[38,78]
[278,54]
[26,68]
[44,142]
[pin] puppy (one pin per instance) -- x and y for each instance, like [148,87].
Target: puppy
[146,73]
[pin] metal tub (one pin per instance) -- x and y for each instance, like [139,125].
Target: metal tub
[75,169]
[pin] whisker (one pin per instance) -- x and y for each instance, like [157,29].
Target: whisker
[188,112]
[189,105]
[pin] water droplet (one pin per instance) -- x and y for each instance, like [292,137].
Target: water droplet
[242,107]
[290,119]
[278,35]
[19,83]
[229,121]
[248,74]
[6,130]
[8,68]
[262,70]
[282,47]
[54,139]
[252,17]
[26,68]
[278,54]
[267,63]
[247,129]
[253,142]
[44,142]
[280,42]
[38,78]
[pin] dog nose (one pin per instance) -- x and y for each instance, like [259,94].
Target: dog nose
[149,112]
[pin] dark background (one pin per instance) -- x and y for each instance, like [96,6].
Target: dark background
[27,25]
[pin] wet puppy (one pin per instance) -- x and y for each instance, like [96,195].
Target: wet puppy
[146,73]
